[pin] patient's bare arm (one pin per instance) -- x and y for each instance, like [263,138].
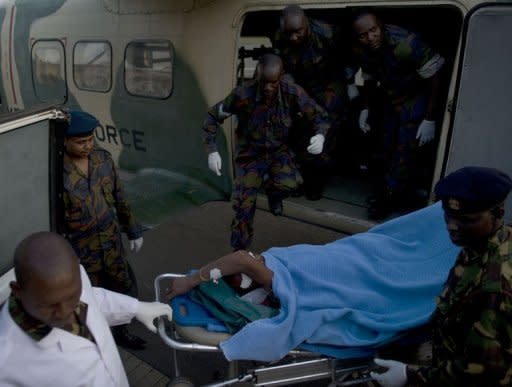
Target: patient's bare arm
[240,261]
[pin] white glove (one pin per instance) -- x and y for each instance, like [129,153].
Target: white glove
[316,144]
[426,132]
[215,162]
[395,376]
[136,244]
[352,91]
[363,121]
[148,311]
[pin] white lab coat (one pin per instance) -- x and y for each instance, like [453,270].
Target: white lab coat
[62,359]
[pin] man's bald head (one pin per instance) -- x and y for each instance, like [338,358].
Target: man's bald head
[43,254]
[293,14]
[48,283]
[271,66]
[294,24]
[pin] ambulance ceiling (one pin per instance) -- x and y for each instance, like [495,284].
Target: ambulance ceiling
[153,6]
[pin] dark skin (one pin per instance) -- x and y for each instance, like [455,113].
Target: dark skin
[269,75]
[48,282]
[369,31]
[78,149]
[472,230]
[295,25]
[238,262]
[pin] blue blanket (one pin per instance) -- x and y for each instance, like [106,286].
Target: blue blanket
[359,291]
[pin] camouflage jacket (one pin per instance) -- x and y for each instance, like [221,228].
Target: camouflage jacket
[402,64]
[318,62]
[472,342]
[95,205]
[262,129]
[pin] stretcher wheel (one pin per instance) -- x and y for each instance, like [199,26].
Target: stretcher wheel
[180,381]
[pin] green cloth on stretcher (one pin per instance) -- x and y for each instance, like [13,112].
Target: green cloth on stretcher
[222,301]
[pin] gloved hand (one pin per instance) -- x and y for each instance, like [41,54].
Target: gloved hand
[426,132]
[316,144]
[395,376]
[136,244]
[352,91]
[215,162]
[148,311]
[363,121]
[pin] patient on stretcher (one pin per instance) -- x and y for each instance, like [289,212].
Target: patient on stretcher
[360,291]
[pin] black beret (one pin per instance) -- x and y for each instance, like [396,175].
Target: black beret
[473,189]
[81,124]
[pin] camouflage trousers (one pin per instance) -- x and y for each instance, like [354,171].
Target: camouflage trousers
[103,257]
[276,173]
[400,127]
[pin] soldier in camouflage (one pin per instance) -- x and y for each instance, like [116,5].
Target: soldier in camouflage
[408,72]
[96,210]
[266,110]
[313,56]
[472,340]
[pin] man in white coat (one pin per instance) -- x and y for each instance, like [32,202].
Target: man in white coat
[55,327]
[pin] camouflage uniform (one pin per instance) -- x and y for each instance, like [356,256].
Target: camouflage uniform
[37,330]
[318,68]
[402,66]
[472,343]
[95,208]
[261,146]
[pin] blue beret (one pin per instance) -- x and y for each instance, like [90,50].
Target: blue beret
[81,124]
[473,189]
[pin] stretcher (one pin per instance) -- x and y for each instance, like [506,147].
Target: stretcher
[351,366]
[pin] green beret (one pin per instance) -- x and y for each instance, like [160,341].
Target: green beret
[473,189]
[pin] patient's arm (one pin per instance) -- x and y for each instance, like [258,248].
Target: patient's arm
[238,262]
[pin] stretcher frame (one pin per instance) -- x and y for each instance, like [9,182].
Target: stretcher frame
[297,367]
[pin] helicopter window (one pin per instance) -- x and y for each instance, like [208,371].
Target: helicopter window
[149,68]
[48,71]
[92,66]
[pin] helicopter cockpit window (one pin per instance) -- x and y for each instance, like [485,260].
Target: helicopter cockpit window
[48,71]
[148,69]
[92,66]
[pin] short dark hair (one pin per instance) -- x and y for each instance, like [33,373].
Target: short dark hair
[357,13]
